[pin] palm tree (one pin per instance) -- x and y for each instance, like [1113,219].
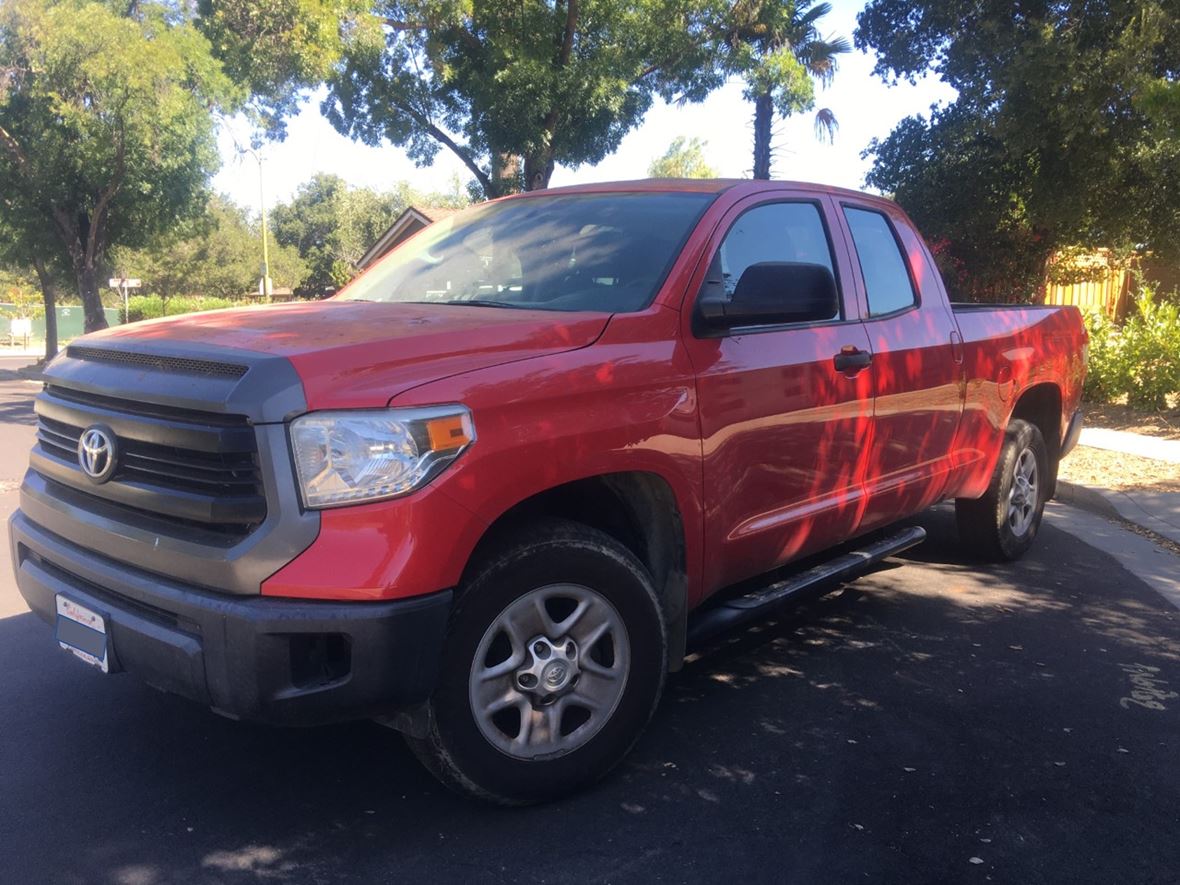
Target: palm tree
[781,55]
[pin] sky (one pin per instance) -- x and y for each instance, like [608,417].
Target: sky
[864,105]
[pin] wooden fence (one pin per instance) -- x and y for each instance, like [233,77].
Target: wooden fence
[1093,281]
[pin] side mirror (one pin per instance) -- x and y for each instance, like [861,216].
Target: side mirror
[769,293]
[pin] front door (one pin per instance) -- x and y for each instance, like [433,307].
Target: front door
[784,430]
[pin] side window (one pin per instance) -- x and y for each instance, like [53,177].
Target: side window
[775,233]
[887,282]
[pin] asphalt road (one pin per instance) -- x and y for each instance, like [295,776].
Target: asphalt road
[940,721]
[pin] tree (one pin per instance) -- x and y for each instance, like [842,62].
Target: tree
[216,254]
[779,52]
[331,225]
[105,125]
[27,248]
[279,49]
[685,158]
[1062,133]
[514,88]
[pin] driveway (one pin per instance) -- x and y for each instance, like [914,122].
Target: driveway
[939,721]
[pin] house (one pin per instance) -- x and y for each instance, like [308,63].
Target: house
[405,226]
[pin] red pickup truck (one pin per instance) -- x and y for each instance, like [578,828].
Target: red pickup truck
[490,493]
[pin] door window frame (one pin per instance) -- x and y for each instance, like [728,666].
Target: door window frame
[847,315]
[869,316]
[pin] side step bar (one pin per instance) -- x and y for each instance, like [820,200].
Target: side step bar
[742,609]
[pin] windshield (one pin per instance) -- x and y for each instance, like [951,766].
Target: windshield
[601,252]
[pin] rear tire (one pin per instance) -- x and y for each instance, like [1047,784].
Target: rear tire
[1002,525]
[553,664]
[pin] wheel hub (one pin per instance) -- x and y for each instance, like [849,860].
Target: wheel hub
[1023,495]
[550,670]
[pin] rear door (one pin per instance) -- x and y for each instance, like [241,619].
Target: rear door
[783,429]
[916,363]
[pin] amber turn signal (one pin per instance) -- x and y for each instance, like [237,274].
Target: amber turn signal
[449,432]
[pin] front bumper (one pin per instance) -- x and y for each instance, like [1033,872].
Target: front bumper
[290,662]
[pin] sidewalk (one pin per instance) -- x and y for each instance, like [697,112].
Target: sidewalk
[1157,511]
[1132,444]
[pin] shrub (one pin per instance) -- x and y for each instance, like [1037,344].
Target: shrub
[1139,359]
[150,307]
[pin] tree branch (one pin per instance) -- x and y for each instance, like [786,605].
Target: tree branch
[14,149]
[461,152]
[105,196]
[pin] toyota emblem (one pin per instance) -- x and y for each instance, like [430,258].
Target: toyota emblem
[96,453]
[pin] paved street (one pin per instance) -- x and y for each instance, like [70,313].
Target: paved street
[938,722]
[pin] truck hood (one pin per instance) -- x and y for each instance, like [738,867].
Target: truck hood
[353,354]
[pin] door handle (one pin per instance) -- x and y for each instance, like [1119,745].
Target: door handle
[851,359]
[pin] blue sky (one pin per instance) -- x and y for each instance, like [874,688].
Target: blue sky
[864,105]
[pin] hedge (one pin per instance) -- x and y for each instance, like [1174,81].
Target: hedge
[150,307]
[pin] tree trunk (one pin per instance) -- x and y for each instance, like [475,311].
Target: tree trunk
[538,169]
[49,296]
[91,301]
[505,174]
[763,122]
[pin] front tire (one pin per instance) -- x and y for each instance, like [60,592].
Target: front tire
[1002,525]
[552,666]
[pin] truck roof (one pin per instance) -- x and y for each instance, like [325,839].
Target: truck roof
[702,185]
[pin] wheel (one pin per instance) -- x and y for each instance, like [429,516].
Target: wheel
[1002,525]
[552,666]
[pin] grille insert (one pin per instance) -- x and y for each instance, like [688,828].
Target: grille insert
[165,466]
[170,466]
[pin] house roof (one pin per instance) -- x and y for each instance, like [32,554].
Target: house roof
[413,219]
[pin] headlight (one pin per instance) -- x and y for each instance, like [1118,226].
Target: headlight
[357,456]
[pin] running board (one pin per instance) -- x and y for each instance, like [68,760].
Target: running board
[742,609]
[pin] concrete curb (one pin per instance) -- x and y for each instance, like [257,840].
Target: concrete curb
[1112,504]
[28,373]
[1085,498]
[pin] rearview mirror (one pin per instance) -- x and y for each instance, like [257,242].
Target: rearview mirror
[770,293]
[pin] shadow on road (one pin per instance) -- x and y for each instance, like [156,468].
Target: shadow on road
[937,721]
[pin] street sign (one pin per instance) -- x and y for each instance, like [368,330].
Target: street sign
[123,284]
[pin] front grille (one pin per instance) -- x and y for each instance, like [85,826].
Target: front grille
[179,466]
[156,362]
[163,466]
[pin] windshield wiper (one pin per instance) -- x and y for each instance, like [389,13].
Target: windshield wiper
[483,302]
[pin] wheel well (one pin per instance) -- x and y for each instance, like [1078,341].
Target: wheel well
[638,510]
[1041,406]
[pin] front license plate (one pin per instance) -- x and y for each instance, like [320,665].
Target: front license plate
[83,633]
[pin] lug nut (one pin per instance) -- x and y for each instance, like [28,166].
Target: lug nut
[540,649]
[527,680]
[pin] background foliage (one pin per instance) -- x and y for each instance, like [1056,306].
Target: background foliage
[685,158]
[106,131]
[1138,359]
[331,225]
[1063,133]
[217,254]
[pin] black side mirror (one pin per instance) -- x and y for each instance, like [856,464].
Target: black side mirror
[772,292]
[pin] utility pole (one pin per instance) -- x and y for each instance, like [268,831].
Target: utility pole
[265,287]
